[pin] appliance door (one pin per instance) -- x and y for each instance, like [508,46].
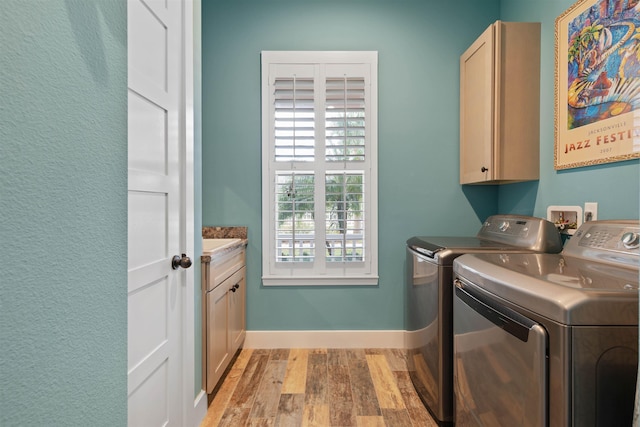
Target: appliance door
[430,333]
[500,362]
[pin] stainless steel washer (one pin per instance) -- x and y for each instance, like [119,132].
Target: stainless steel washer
[549,340]
[430,297]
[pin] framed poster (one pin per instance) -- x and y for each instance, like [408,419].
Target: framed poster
[597,87]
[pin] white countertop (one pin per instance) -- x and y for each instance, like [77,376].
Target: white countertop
[214,246]
[209,245]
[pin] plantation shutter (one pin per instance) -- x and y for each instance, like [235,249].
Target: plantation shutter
[294,119]
[319,169]
[345,119]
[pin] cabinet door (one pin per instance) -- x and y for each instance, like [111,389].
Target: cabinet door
[237,309]
[517,110]
[218,352]
[477,100]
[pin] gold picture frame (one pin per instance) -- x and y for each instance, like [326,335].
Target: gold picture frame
[597,83]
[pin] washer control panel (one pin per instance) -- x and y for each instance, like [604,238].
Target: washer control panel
[533,233]
[616,241]
[513,226]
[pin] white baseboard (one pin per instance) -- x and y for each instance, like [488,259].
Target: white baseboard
[324,339]
[199,409]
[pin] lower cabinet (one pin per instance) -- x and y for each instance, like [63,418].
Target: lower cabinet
[224,321]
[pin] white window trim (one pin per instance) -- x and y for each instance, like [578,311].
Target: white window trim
[341,274]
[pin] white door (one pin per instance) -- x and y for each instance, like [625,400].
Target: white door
[155,291]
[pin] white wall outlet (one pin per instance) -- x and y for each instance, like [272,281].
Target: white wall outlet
[566,218]
[590,211]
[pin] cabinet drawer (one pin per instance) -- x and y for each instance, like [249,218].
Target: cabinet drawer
[222,268]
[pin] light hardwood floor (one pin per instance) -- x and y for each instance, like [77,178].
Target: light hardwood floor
[318,387]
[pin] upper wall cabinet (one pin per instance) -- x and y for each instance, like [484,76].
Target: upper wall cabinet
[500,105]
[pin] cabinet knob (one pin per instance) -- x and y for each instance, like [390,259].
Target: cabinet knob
[483,169]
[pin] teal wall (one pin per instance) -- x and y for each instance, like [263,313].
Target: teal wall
[615,186]
[419,44]
[63,213]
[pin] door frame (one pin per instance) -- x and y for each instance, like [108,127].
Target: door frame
[194,407]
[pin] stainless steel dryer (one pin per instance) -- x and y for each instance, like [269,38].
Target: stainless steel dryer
[430,297]
[549,340]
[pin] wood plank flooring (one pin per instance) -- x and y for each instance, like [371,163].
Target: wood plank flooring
[318,387]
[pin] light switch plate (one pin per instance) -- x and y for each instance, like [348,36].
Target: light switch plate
[590,211]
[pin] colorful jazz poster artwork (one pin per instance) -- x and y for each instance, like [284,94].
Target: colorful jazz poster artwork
[603,53]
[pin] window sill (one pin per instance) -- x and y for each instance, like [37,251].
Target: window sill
[320,281]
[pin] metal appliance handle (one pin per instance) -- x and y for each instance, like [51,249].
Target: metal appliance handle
[501,316]
[425,252]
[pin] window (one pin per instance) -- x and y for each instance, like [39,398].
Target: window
[319,168]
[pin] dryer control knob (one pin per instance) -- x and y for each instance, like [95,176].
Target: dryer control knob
[631,240]
[504,226]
